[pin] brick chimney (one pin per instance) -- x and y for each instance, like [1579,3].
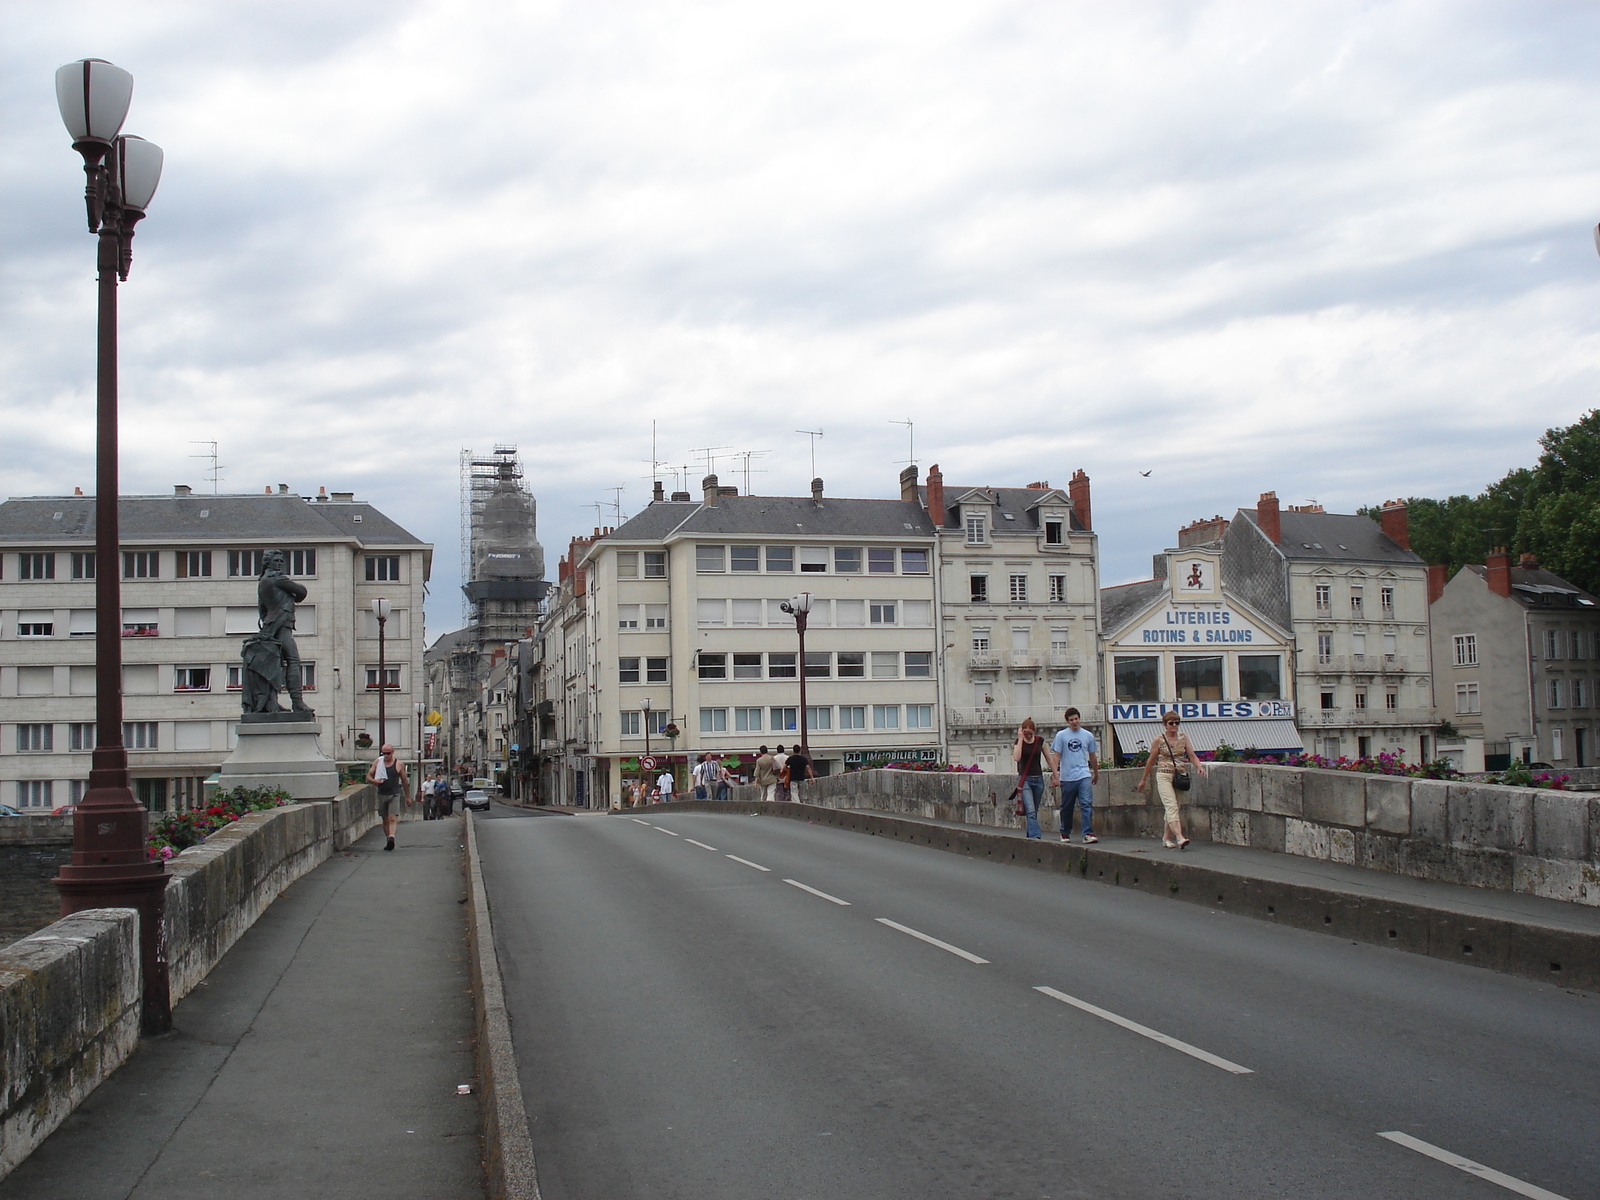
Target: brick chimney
[1499,572]
[1438,576]
[936,496]
[1078,489]
[1267,517]
[710,491]
[1202,532]
[908,483]
[816,487]
[1396,526]
[656,492]
[1528,562]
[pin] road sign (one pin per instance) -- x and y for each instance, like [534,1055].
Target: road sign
[648,763]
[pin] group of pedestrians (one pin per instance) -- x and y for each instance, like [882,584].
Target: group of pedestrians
[1072,763]
[777,772]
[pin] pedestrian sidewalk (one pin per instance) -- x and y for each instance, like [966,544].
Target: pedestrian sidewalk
[321,1057]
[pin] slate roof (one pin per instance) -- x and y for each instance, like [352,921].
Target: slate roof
[1335,537]
[778,516]
[1538,588]
[1120,603]
[1021,504]
[280,516]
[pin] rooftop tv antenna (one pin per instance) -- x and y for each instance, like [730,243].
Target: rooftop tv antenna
[747,455]
[711,456]
[813,434]
[216,470]
[911,432]
[616,501]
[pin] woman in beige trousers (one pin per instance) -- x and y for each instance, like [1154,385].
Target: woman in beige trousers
[1170,749]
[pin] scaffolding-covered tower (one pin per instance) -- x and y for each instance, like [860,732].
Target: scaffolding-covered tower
[503,563]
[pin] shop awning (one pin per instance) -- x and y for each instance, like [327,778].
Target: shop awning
[1270,737]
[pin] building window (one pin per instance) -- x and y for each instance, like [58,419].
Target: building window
[1386,600]
[140,622]
[1580,694]
[627,616]
[1327,701]
[194,564]
[780,559]
[885,664]
[80,735]
[655,564]
[782,719]
[36,566]
[919,716]
[300,562]
[853,664]
[713,720]
[1058,589]
[919,664]
[980,589]
[1260,677]
[382,568]
[627,564]
[1361,700]
[1019,589]
[1357,600]
[747,666]
[1198,678]
[246,564]
[852,716]
[880,561]
[782,666]
[1552,643]
[814,560]
[1467,698]
[1324,648]
[83,564]
[747,720]
[35,737]
[847,560]
[975,526]
[1138,678]
[713,666]
[1557,749]
[192,679]
[1324,597]
[881,612]
[711,612]
[38,624]
[819,718]
[1467,650]
[655,616]
[819,664]
[34,793]
[391,679]
[886,716]
[235,681]
[913,562]
[308,676]
[1052,533]
[745,558]
[1555,693]
[1391,647]
[141,735]
[141,564]
[1391,700]
[152,793]
[710,560]
[980,641]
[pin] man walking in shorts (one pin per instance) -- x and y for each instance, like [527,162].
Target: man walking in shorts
[1078,769]
[389,773]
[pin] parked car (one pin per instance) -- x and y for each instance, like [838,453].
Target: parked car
[65,810]
[7,811]
[477,800]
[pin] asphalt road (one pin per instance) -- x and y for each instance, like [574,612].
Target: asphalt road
[692,1025]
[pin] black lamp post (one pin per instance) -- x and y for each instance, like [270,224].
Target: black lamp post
[798,608]
[380,609]
[110,866]
[645,705]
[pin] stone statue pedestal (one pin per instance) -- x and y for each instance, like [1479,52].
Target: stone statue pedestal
[281,749]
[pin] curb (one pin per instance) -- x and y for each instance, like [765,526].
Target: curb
[1548,954]
[507,1146]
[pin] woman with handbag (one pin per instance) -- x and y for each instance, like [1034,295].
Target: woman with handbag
[1033,759]
[1171,749]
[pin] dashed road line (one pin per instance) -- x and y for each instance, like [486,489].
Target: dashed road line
[702,845]
[1510,1183]
[1146,1031]
[932,941]
[747,862]
[660,829]
[814,892]
[636,821]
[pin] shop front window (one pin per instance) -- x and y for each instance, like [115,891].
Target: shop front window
[1260,677]
[1138,678]
[1198,678]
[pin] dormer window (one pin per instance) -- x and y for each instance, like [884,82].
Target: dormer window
[1054,532]
[976,523]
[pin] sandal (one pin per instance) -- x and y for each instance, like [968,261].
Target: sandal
[1183,845]
[1169,845]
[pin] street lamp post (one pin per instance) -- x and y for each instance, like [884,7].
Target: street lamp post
[380,609]
[798,607]
[419,708]
[645,705]
[110,867]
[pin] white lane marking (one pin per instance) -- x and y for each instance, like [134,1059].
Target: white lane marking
[668,832]
[747,862]
[1146,1031]
[1470,1167]
[636,821]
[702,845]
[814,892]
[932,941]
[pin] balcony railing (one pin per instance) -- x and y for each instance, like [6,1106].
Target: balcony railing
[1002,716]
[985,660]
[1024,660]
[1365,664]
[1312,717]
[1067,659]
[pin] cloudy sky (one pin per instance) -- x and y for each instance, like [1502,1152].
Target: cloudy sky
[1340,250]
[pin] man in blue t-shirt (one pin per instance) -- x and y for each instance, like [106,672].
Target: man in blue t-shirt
[1078,770]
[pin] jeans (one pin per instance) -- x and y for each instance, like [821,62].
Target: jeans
[700,791]
[1081,790]
[1032,793]
[722,789]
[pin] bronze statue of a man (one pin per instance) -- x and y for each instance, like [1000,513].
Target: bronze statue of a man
[276,596]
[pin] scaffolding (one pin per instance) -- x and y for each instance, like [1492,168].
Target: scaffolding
[502,563]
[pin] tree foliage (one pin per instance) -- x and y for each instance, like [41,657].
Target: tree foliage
[1551,511]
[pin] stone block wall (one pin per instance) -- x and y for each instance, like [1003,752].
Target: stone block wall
[35,829]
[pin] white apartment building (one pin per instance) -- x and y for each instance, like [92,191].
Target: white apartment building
[683,608]
[189,566]
[1020,611]
[1356,599]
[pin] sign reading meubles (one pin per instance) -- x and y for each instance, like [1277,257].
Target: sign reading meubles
[1203,710]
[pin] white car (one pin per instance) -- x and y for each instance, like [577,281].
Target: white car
[477,800]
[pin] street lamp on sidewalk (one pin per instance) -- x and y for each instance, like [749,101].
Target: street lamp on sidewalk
[380,609]
[798,607]
[110,867]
